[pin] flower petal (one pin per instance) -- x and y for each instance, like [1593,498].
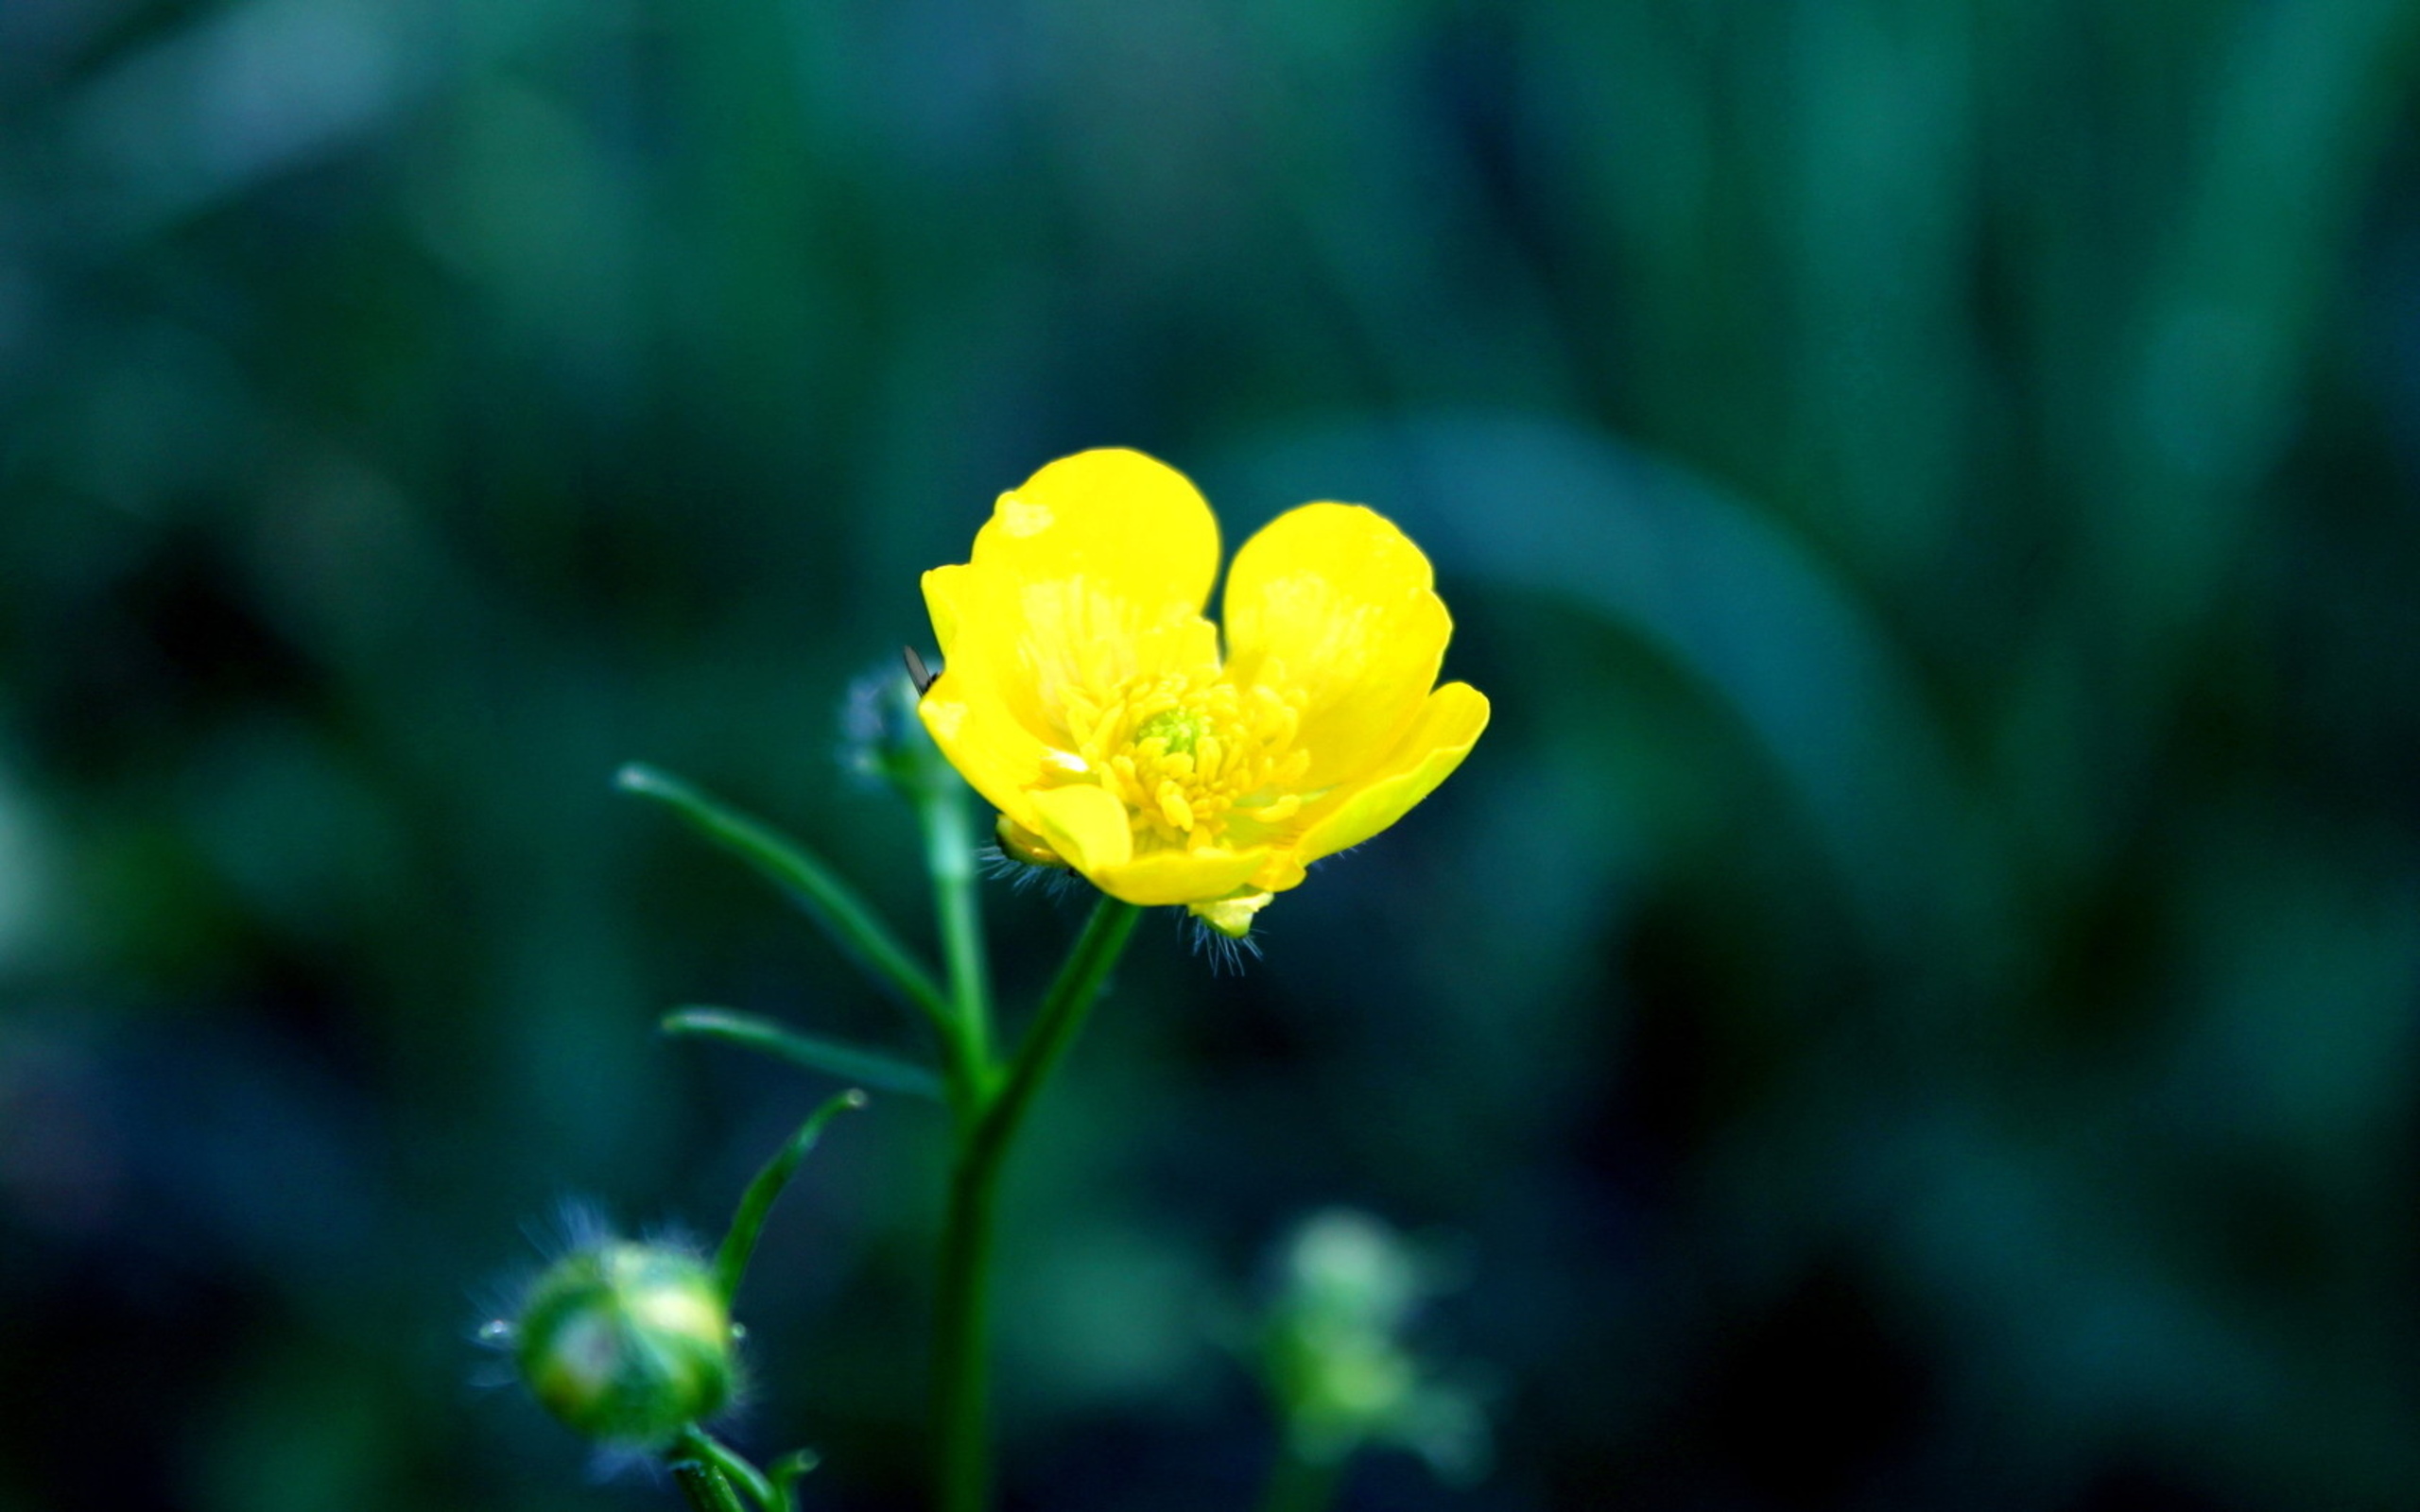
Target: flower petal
[1232,917]
[1086,825]
[1094,571]
[1180,876]
[1333,601]
[1089,827]
[1101,564]
[1132,523]
[976,727]
[1448,725]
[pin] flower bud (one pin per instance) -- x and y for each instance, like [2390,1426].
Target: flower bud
[1352,1269]
[1334,1353]
[880,735]
[627,1343]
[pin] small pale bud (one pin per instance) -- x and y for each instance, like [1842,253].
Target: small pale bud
[1334,1354]
[1349,1267]
[880,736]
[625,1342]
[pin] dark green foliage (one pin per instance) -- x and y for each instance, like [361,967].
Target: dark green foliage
[1915,1003]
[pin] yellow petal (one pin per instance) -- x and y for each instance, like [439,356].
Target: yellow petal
[1122,519]
[1093,572]
[1232,917]
[1448,725]
[1086,825]
[978,731]
[1179,876]
[947,595]
[1105,560]
[1332,600]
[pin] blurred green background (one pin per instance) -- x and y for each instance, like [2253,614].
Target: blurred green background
[1912,1005]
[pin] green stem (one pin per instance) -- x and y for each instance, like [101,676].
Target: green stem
[1298,1482]
[960,1409]
[961,1329]
[950,855]
[1064,1011]
[704,1487]
[724,1469]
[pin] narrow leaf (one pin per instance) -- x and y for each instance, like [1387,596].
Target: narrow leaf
[848,1062]
[787,1473]
[731,1260]
[810,884]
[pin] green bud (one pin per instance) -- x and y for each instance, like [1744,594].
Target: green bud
[882,737]
[625,1342]
[1336,1386]
[1350,1268]
[1335,1357]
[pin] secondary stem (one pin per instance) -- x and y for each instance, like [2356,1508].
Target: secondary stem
[960,1407]
[724,1474]
[950,855]
[704,1487]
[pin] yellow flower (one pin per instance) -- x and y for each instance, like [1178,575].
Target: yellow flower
[1083,693]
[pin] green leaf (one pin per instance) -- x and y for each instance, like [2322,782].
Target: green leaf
[848,1062]
[788,1471]
[814,886]
[731,1260]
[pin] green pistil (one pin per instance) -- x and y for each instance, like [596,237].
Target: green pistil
[1177,729]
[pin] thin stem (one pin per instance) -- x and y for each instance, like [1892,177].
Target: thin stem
[950,855]
[961,1408]
[1298,1482]
[962,1412]
[704,1487]
[1064,1011]
[727,1468]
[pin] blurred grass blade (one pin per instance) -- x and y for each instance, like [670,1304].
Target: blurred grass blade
[731,1260]
[848,1062]
[814,886]
[1717,587]
[2310,99]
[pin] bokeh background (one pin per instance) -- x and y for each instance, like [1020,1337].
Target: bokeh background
[1912,1005]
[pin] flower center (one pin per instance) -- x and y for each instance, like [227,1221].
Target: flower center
[1190,760]
[1177,729]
